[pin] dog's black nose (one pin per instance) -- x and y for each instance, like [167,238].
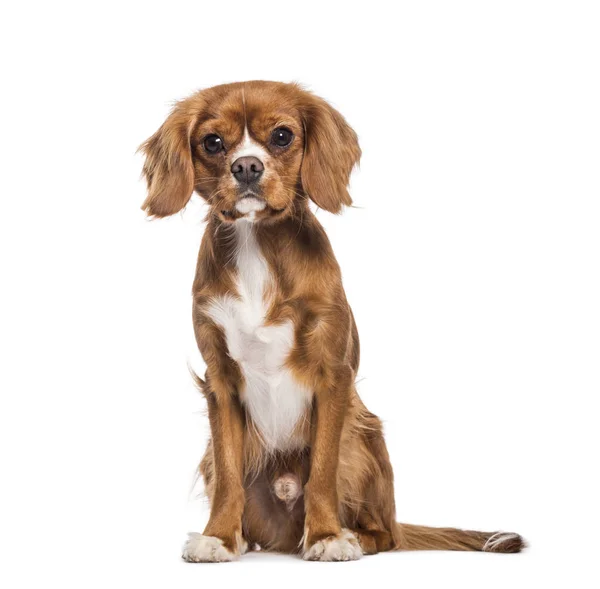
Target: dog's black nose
[247,170]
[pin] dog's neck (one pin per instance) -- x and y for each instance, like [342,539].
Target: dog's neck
[296,250]
[300,232]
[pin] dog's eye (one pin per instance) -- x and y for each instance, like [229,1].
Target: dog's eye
[213,144]
[281,137]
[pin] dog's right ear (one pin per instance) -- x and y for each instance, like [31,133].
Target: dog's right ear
[168,168]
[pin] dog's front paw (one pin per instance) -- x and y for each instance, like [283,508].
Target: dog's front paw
[199,548]
[343,546]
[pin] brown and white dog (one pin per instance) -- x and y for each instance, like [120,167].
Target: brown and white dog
[296,463]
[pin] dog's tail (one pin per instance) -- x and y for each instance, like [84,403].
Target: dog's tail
[409,537]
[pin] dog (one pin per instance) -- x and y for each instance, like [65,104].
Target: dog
[296,463]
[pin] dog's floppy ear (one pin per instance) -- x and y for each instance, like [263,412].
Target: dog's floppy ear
[168,168]
[331,151]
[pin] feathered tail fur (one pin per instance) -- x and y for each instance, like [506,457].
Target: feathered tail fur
[411,537]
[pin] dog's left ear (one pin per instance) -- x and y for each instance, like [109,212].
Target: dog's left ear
[168,168]
[331,151]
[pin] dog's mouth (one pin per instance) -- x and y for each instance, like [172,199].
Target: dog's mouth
[250,202]
[251,194]
[251,206]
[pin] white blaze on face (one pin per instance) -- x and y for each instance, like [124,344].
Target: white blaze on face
[249,205]
[249,148]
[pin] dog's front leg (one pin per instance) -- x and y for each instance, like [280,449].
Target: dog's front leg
[222,538]
[324,539]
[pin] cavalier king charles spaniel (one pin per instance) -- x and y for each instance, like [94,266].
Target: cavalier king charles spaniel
[296,463]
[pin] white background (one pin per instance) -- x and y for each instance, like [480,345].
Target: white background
[471,261]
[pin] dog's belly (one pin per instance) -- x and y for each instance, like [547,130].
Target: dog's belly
[275,401]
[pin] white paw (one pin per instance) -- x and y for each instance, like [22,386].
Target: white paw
[344,546]
[199,548]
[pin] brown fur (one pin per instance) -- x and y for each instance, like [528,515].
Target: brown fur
[342,464]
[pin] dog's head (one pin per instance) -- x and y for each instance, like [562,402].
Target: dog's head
[251,150]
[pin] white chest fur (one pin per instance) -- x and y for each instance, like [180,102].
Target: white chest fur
[274,400]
